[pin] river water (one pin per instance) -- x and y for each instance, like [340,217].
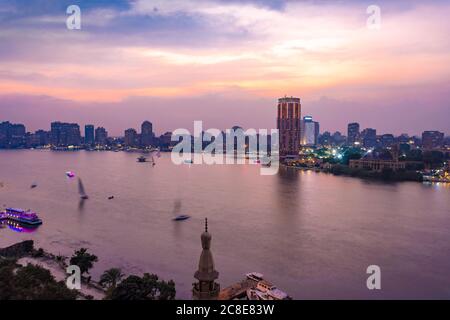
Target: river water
[311,234]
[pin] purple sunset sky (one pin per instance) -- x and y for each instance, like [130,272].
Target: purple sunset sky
[226,63]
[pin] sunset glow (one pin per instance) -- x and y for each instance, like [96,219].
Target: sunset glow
[256,50]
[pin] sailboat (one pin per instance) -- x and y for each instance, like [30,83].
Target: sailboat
[81,191]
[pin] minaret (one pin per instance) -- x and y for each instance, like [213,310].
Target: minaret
[206,288]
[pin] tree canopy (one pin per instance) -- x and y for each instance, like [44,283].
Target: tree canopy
[83,259]
[111,277]
[31,283]
[148,287]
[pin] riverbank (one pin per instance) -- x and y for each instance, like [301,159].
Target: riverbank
[30,274]
[88,291]
[384,175]
[24,254]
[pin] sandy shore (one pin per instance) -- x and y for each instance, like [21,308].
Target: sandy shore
[59,273]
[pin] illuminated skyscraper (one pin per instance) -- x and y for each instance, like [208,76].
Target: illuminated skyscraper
[369,137]
[387,140]
[101,136]
[288,124]
[146,134]
[432,139]
[353,133]
[12,135]
[65,134]
[89,134]
[131,138]
[309,132]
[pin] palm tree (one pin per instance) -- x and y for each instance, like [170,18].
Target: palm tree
[111,277]
[84,260]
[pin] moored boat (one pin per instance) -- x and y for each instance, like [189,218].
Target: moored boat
[264,290]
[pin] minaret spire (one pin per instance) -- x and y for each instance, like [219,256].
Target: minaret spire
[206,288]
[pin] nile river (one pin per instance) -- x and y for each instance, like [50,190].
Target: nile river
[312,234]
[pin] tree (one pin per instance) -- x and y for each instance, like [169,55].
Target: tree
[84,260]
[6,279]
[350,154]
[111,277]
[148,287]
[433,159]
[31,283]
[414,155]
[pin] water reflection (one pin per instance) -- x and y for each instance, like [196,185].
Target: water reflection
[287,190]
[17,226]
[81,205]
[437,185]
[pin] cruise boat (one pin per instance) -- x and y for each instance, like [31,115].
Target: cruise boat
[22,216]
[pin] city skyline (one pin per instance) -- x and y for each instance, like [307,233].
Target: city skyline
[138,129]
[216,61]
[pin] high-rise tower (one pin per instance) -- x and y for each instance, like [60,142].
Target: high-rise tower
[288,124]
[309,132]
[146,134]
[352,133]
[89,137]
[206,288]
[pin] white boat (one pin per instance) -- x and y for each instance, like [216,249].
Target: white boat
[264,290]
[255,276]
[271,291]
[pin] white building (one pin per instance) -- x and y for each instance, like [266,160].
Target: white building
[309,132]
